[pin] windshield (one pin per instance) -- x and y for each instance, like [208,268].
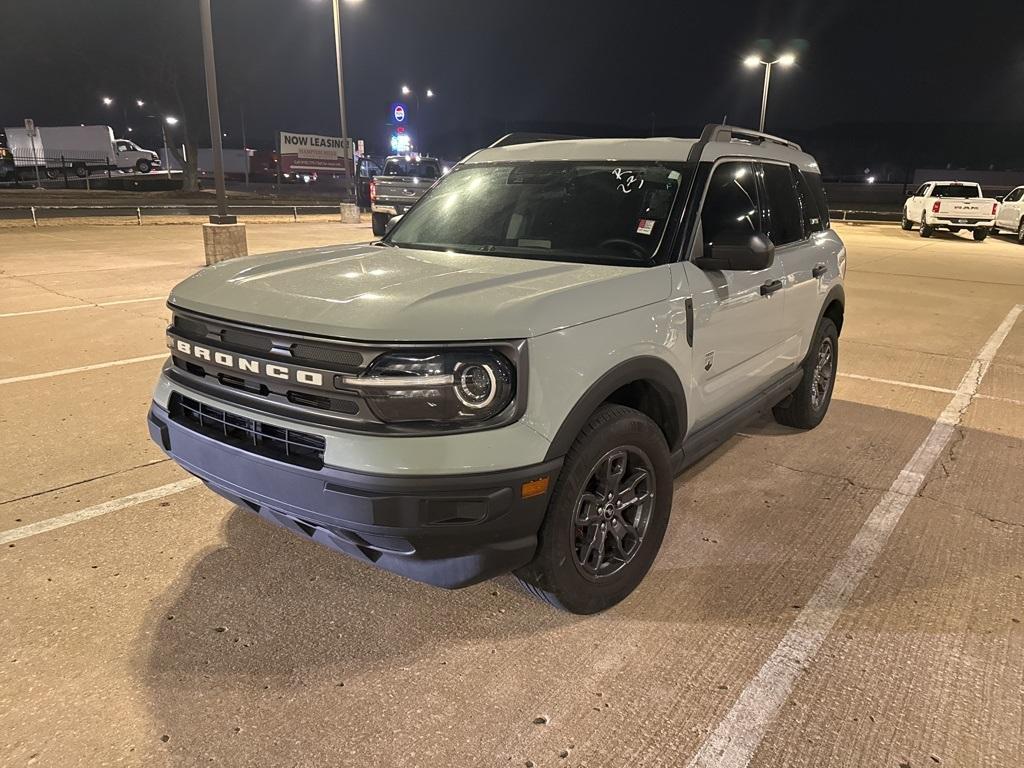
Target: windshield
[558,211]
[422,169]
[956,190]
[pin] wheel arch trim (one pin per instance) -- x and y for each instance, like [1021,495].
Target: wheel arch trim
[654,371]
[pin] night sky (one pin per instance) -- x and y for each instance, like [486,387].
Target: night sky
[498,64]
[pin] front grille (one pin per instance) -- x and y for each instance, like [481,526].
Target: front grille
[346,358]
[287,445]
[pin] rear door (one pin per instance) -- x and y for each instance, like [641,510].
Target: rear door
[793,220]
[738,327]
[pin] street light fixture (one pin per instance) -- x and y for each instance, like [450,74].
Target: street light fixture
[140,103]
[754,60]
[407,91]
[107,101]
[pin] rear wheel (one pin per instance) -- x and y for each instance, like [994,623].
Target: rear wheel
[807,406]
[1020,232]
[926,231]
[607,515]
[379,223]
[52,173]
[980,234]
[80,170]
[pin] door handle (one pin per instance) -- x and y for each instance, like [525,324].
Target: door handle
[767,289]
[819,270]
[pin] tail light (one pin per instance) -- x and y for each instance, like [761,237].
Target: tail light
[373,190]
[994,207]
[936,206]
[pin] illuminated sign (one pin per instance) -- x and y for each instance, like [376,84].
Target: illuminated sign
[399,113]
[401,142]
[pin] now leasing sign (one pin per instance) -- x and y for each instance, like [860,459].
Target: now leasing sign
[311,152]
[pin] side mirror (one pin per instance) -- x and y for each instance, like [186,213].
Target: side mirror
[745,252]
[391,223]
[999,198]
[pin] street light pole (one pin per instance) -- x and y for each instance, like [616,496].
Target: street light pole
[341,99]
[785,60]
[221,217]
[764,94]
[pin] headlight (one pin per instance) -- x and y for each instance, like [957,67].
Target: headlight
[446,387]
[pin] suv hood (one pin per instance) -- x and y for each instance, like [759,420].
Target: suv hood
[374,293]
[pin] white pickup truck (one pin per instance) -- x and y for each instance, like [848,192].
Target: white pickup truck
[952,205]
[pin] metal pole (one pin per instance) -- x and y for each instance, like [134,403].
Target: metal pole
[167,152]
[221,217]
[764,96]
[341,97]
[245,144]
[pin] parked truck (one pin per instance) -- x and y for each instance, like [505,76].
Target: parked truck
[403,180]
[952,205]
[79,149]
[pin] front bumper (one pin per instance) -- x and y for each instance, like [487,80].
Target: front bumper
[450,531]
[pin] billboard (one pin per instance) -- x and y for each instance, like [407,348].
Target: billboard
[311,152]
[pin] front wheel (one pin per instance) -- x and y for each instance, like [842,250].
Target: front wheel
[143,166]
[980,234]
[379,221]
[1020,232]
[607,516]
[807,406]
[906,224]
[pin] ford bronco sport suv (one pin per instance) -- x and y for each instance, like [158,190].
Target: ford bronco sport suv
[511,377]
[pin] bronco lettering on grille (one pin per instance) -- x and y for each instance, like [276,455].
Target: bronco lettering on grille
[247,364]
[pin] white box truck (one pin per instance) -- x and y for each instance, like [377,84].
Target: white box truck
[81,149]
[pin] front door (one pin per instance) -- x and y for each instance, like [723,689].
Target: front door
[738,314]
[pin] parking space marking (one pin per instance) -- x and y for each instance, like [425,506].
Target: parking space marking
[82,368]
[81,306]
[96,510]
[734,741]
[910,384]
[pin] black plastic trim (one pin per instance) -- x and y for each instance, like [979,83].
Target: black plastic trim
[650,369]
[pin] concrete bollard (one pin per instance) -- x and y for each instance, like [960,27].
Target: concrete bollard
[224,241]
[350,213]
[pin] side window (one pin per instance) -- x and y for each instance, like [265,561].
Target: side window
[122,146]
[1014,196]
[730,208]
[808,206]
[787,220]
[813,182]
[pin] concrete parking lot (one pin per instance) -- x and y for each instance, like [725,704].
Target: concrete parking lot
[848,596]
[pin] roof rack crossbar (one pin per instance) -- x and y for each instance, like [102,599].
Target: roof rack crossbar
[510,139]
[715,132]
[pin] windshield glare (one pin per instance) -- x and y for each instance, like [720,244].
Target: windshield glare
[559,211]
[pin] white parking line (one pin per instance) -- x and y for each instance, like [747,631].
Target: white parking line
[70,307]
[95,511]
[910,384]
[81,368]
[734,741]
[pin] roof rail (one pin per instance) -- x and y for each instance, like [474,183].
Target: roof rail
[511,139]
[715,132]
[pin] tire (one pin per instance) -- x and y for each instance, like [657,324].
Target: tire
[380,223]
[52,173]
[568,571]
[1020,232]
[906,224]
[807,406]
[980,234]
[926,231]
[143,166]
[80,170]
